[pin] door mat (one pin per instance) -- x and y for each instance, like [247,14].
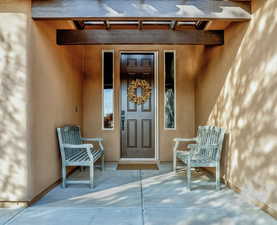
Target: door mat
[137,167]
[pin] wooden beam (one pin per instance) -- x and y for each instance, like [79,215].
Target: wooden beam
[133,9]
[121,37]
[140,26]
[173,25]
[79,24]
[108,26]
[217,25]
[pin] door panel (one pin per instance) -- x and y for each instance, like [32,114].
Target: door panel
[146,129]
[132,133]
[137,121]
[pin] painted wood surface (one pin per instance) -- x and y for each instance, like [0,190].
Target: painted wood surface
[205,153]
[74,152]
[121,37]
[151,9]
[137,120]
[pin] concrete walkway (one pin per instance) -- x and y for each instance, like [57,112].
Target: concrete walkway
[141,198]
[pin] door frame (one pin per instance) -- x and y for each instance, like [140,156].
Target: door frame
[156,117]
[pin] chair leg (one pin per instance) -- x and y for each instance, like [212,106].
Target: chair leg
[91,175]
[218,178]
[189,176]
[174,164]
[102,163]
[174,158]
[63,176]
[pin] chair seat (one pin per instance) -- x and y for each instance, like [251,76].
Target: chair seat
[196,160]
[81,156]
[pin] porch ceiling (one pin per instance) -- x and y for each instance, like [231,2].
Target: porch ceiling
[191,10]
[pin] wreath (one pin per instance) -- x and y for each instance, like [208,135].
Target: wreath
[146,90]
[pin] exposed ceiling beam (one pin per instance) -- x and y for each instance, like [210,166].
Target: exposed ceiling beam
[80,25]
[173,25]
[132,9]
[140,25]
[217,25]
[200,25]
[108,25]
[95,37]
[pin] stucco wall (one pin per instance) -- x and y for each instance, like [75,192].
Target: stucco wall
[40,88]
[56,97]
[15,179]
[186,67]
[236,89]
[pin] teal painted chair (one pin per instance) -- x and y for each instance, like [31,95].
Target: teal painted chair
[74,152]
[206,152]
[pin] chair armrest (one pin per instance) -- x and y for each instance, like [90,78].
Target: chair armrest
[185,139]
[178,140]
[78,146]
[92,139]
[99,140]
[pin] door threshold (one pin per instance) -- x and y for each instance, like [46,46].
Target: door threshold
[138,160]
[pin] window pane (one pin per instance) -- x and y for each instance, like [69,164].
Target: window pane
[108,90]
[169,90]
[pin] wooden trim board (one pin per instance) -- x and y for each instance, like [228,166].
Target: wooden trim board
[140,37]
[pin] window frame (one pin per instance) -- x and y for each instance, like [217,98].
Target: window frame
[175,88]
[103,100]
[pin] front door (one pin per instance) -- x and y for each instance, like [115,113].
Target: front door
[137,118]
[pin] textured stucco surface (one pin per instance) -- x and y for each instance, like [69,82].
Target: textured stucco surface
[40,90]
[236,89]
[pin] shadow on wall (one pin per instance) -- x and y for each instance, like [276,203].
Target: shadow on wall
[241,79]
[13,107]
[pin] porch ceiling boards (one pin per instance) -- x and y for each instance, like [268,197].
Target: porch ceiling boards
[195,10]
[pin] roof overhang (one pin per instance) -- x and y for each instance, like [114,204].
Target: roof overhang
[190,10]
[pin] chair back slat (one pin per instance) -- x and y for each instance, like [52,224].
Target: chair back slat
[68,135]
[208,137]
[71,135]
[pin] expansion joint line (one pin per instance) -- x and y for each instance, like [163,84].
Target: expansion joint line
[141,197]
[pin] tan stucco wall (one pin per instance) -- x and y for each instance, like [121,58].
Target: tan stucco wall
[15,179]
[56,97]
[40,89]
[237,90]
[186,67]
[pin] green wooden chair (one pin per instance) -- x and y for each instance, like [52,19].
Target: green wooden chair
[206,152]
[74,152]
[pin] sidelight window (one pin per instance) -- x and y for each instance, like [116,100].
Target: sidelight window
[108,89]
[169,90]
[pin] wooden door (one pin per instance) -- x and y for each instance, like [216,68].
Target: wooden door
[137,120]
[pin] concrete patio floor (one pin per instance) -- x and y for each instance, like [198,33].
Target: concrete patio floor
[144,197]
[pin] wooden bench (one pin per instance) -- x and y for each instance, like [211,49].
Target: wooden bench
[206,152]
[74,152]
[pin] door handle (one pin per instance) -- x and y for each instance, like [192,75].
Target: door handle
[122,120]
